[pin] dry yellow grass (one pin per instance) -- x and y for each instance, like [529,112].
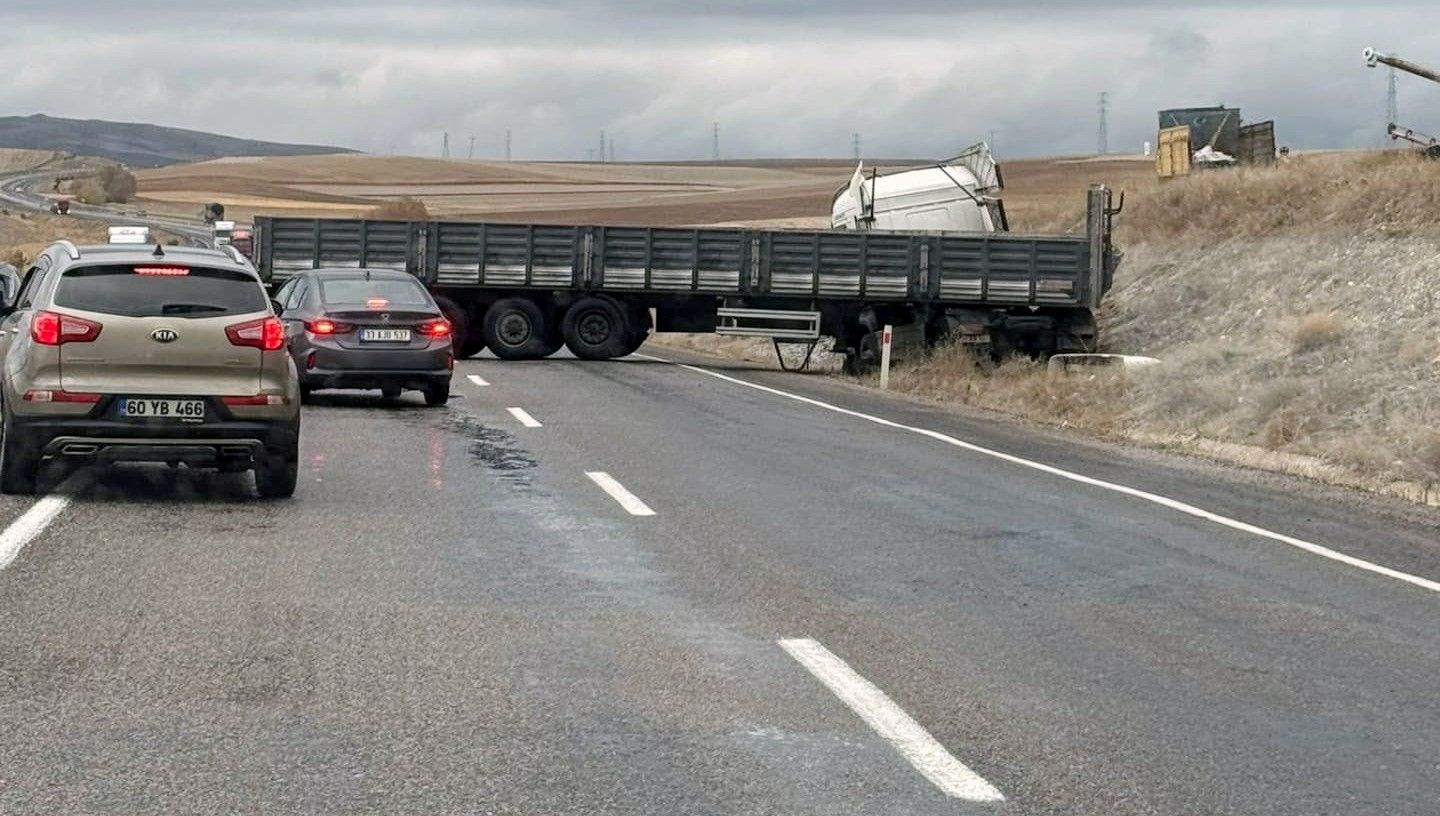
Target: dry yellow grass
[27,234]
[1317,330]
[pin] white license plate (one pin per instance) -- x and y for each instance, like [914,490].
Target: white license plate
[384,335]
[162,408]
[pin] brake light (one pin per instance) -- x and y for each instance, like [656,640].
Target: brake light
[163,271]
[258,399]
[39,395]
[435,328]
[377,303]
[266,334]
[53,329]
[326,326]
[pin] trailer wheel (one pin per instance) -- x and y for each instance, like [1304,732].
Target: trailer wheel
[463,338]
[864,360]
[514,329]
[640,327]
[595,328]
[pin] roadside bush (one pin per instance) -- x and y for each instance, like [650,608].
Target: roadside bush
[118,184]
[404,208]
[17,259]
[1316,330]
[90,191]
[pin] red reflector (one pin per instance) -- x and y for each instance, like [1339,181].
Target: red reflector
[377,303]
[36,395]
[258,399]
[167,271]
[266,334]
[53,329]
[435,328]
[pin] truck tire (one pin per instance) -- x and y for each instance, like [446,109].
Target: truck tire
[865,359]
[463,338]
[596,328]
[640,326]
[515,329]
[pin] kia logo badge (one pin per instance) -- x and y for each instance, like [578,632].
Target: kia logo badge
[164,335]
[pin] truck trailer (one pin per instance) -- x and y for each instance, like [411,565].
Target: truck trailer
[525,290]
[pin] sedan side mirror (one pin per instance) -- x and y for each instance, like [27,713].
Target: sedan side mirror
[276,307]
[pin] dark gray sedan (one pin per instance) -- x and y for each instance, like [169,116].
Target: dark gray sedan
[367,329]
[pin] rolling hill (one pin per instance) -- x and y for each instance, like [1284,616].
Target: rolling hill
[138,145]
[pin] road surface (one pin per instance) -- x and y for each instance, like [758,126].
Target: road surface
[636,587]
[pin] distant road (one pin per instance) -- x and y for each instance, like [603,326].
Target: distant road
[16,191]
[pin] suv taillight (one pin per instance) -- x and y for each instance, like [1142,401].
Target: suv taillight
[435,328]
[266,334]
[52,329]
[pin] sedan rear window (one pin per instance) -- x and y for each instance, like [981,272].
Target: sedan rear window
[360,292]
[161,290]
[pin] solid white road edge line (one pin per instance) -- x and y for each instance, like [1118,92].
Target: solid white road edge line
[31,523]
[477,379]
[891,722]
[1163,501]
[618,492]
[524,418]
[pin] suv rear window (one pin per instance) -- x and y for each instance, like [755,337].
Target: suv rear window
[159,289]
[358,291]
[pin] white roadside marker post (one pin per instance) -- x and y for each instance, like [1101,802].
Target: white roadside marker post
[887,335]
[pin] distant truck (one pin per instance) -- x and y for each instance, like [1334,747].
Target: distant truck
[212,212]
[60,206]
[222,232]
[524,290]
[128,234]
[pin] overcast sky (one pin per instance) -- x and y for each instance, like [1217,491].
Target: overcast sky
[784,79]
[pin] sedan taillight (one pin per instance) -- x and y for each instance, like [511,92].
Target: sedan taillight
[326,327]
[435,328]
[266,334]
[52,329]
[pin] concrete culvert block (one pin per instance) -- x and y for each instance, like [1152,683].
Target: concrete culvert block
[1063,363]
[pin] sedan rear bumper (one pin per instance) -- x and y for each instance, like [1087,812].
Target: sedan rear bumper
[318,378]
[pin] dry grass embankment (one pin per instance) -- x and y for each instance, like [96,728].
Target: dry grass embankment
[23,235]
[1295,310]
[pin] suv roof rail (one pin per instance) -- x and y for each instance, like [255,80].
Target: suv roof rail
[235,253]
[70,249]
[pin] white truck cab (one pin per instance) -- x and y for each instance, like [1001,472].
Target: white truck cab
[956,195]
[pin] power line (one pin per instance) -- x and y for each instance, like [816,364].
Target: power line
[991,143]
[1103,137]
[445,146]
[507,145]
[855,137]
[471,154]
[715,142]
[602,147]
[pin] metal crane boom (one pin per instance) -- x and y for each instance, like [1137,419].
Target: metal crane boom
[1373,58]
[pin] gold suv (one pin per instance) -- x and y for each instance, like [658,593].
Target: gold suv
[125,353]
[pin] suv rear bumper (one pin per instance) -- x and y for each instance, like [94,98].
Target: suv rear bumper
[210,444]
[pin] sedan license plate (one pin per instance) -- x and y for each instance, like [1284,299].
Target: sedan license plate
[384,335]
[146,408]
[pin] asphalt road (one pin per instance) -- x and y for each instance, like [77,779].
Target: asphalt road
[452,616]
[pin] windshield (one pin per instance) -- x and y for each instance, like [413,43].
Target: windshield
[155,290]
[358,291]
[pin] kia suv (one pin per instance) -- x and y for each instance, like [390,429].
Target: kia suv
[121,353]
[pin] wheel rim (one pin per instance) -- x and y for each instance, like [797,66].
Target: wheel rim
[514,329]
[593,328]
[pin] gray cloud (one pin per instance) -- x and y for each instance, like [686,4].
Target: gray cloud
[914,77]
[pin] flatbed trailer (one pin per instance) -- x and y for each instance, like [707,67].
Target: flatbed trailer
[524,290]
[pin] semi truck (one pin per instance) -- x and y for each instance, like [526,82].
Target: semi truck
[525,290]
